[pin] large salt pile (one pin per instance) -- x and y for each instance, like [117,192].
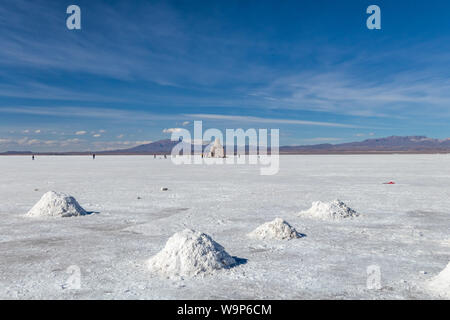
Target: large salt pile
[441,283]
[189,253]
[56,204]
[334,210]
[277,229]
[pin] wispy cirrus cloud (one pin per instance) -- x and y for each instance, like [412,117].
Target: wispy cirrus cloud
[251,119]
[87,112]
[405,94]
[216,64]
[337,83]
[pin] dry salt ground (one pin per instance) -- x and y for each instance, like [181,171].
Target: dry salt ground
[190,253]
[277,229]
[56,204]
[333,210]
[440,284]
[405,228]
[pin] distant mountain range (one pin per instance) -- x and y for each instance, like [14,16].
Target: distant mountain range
[158,147]
[393,144]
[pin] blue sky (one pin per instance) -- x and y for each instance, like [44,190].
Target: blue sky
[138,68]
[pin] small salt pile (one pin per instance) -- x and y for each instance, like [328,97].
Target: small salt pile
[190,253]
[441,283]
[277,229]
[334,210]
[56,204]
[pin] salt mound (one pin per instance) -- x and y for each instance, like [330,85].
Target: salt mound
[56,204]
[441,283]
[189,253]
[277,229]
[334,210]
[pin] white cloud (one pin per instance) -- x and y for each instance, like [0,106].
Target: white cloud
[37,131]
[172,130]
[70,142]
[97,135]
[271,120]
[80,133]
[27,142]
[120,136]
[185,123]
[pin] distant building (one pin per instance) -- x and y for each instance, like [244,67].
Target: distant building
[217,150]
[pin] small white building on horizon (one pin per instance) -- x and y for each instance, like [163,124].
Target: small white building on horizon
[217,150]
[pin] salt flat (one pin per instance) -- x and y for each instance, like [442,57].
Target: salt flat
[404,229]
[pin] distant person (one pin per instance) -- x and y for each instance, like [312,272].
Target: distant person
[165,156]
[32,157]
[154,156]
[93,156]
